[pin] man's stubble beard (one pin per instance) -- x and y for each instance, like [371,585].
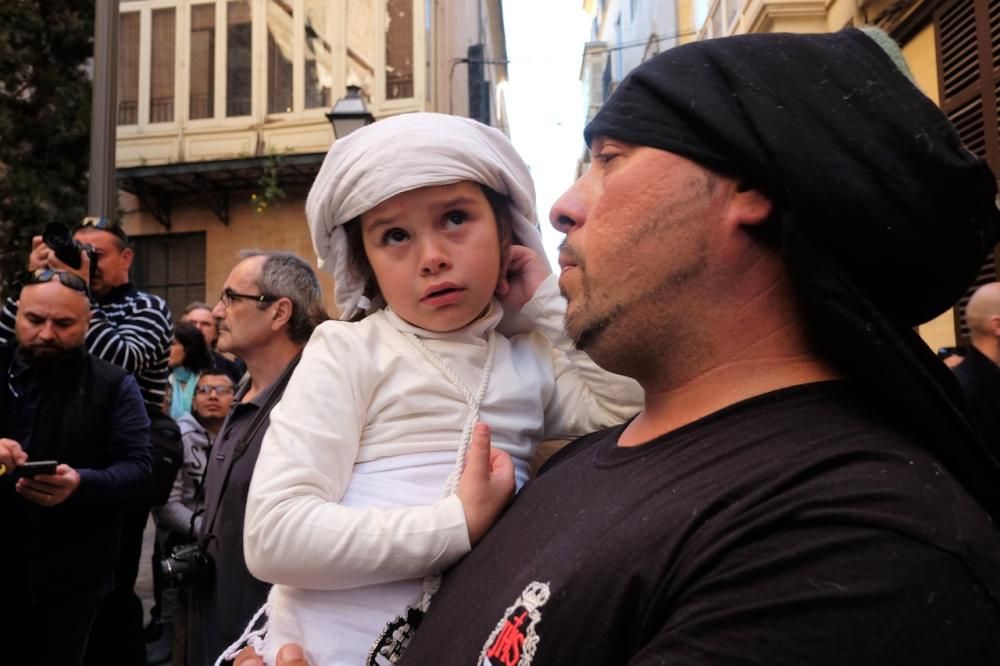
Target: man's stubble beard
[629,335]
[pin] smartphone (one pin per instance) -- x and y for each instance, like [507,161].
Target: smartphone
[31,468]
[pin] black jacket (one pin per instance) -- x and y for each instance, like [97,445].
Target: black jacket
[89,415]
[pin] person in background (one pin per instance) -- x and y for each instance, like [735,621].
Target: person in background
[189,356]
[269,306]
[62,527]
[200,314]
[133,330]
[979,372]
[181,517]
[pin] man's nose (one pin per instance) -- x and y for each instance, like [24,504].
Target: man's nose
[569,211]
[219,311]
[47,331]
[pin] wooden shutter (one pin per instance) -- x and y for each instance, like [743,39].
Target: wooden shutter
[172,267]
[968,44]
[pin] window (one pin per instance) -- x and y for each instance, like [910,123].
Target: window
[398,49]
[318,56]
[128,68]
[172,267]
[239,88]
[280,56]
[161,98]
[201,79]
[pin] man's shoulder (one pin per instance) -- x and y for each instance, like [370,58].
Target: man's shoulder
[109,372]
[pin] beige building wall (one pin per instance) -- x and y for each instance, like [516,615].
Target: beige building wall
[281,227]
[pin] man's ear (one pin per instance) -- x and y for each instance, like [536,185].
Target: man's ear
[282,313]
[127,256]
[994,325]
[749,206]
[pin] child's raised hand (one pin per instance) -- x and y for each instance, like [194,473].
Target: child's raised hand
[522,272]
[487,484]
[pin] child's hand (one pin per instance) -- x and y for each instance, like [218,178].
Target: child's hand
[487,484]
[520,276]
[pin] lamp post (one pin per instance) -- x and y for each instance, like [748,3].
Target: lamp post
[349,113]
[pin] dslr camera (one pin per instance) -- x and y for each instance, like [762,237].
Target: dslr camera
[187,565]
[66,248]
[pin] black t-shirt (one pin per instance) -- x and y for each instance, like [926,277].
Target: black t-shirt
[792,528]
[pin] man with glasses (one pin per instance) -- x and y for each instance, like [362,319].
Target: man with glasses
[183,513]
[200,314]
[268,308]
[61,529]
[132,330]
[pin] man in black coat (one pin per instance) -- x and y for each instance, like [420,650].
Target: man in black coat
[979,373]
[62,529]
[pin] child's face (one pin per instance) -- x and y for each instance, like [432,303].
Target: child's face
[436,254]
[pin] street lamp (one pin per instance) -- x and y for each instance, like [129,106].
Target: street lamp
[349,113]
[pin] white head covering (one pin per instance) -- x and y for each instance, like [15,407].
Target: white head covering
[402,153]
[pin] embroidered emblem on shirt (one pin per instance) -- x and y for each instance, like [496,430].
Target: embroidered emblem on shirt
[389,647]
[515,638]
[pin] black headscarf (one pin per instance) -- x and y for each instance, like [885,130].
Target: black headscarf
[885,218]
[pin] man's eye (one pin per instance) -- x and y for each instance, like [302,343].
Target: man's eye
[605,158]
[394,236]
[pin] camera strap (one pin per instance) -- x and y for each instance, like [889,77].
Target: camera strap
[259,418]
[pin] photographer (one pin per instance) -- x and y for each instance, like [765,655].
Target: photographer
[132,330]
[62,527]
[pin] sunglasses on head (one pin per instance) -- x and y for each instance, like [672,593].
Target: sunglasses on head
[105,224]
[43,275]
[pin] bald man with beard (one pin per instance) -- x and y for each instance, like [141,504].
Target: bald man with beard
[62,530]
[979,373]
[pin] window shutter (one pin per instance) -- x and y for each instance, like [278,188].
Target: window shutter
[172,267]
[968,43]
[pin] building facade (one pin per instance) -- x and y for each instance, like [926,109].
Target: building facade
[222,114]
[951,46]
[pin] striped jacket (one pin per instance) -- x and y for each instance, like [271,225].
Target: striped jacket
[128,328]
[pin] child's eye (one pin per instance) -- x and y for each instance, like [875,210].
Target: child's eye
[394,236]
[455,218]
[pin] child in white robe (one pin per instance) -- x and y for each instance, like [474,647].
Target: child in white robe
[427,223]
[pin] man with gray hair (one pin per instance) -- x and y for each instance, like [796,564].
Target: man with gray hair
[269,306]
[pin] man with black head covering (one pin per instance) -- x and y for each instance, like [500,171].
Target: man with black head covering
[765,220]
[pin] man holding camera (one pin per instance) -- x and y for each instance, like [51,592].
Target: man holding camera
[132,330]
[74,449]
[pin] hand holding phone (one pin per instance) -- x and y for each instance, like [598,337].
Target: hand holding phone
[32,467]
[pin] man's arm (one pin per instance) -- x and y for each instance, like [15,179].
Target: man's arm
[139,340]
[131,463]
[7,317]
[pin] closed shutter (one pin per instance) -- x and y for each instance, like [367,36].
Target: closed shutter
[968,41]
[172,267]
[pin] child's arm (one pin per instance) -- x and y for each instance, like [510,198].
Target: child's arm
[296,533]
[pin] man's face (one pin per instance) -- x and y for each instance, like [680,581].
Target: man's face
[113,261]
[203,319]
[637,242]
[213,397]
[243,326]
[52,319]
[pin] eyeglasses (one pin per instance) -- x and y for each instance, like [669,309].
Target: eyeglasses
[105,224]
[218,389]
[43,275]
[228,296]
